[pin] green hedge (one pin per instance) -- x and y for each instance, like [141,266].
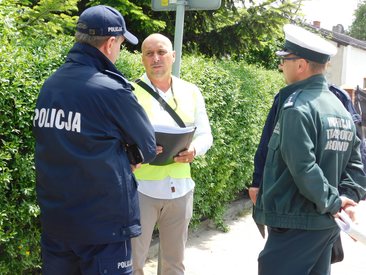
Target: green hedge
[237,99]
[24,65]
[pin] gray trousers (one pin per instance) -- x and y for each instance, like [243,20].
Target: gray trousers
[172,217]
[297,252]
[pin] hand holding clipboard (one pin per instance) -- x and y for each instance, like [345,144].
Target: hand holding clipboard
[173,140]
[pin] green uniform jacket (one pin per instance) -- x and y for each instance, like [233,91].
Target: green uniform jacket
[313,158]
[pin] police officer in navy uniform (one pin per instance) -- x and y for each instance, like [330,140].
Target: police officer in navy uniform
[313,166]
[85,123]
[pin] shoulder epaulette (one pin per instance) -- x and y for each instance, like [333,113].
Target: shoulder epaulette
[116,76]
[291,99]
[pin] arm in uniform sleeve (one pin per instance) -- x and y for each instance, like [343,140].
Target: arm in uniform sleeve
[344,97]
[202,139]
[261,153]
[352,169]
[297,148]
[133,122]
[353,182]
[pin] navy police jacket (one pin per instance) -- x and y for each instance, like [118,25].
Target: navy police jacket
[84,115]
[261,153]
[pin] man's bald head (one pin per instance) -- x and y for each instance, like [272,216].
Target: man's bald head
[156,38]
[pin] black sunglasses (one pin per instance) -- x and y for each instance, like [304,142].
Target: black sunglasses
[283,59]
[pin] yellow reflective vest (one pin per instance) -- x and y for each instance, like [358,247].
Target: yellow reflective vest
[186,107]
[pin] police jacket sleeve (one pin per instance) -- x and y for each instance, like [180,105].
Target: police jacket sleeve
[347,103]
[133,123]
[353,182]
[297,146]
[261,153]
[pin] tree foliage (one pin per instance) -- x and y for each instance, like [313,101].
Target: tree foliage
[136,14]
[249,33]
[358,27]
[45,18]
[247,30]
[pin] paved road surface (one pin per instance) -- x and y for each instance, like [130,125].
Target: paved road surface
[212,252]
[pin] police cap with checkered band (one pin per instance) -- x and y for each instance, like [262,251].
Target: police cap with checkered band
[104,21]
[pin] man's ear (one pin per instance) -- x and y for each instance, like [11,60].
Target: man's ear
[106,48]
[110,43]
[302,65]
[173,54]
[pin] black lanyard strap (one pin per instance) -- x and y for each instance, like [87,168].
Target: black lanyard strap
[162,102]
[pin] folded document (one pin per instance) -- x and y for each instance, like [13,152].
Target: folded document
[356,231]
[173,140]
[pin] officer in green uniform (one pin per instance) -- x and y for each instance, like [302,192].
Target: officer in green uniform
[313,166]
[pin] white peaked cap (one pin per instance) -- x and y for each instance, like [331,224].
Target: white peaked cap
[306,44]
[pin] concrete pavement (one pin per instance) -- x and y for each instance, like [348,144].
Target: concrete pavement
[213,252]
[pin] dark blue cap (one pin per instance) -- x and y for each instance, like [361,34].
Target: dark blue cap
[104,21]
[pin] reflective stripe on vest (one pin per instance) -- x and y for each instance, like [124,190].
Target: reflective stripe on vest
[186,110]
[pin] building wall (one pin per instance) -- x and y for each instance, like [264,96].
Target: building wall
[334,71]
[356,67]
[347,67]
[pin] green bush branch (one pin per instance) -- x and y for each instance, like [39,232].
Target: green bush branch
[237,99]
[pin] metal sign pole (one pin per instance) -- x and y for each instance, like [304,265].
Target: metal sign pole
[180,6]
[178,35]
[178,40]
